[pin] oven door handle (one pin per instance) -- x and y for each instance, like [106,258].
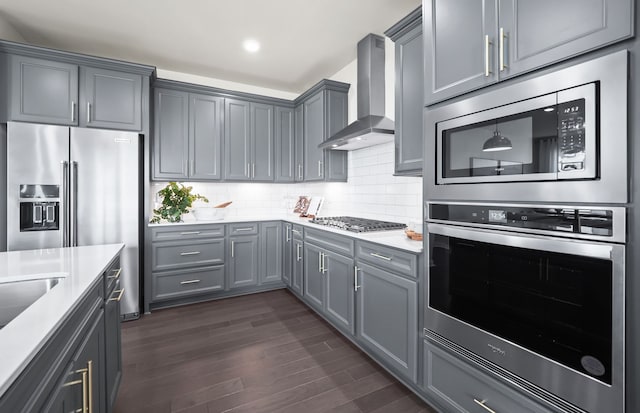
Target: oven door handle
[592,249]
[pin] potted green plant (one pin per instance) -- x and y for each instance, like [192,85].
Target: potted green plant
[176,201]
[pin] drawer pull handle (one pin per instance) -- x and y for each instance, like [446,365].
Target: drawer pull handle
[502,37]
[190,253]
[484,406]
[298,255]
[116,275]
[295,231]
[190,233]
[189,282]
[119,297]
[382,257]
[355,278]
[244,229]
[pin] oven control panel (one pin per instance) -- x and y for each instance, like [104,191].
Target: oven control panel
[571,135]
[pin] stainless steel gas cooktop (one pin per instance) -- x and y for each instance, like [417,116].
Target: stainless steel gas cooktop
[358,224]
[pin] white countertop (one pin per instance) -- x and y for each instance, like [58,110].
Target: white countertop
[396,238]
[25,335]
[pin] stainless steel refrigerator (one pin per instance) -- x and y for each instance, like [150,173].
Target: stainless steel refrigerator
[74,187]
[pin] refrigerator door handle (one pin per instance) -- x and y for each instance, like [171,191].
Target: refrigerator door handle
[64,204]
[73,210]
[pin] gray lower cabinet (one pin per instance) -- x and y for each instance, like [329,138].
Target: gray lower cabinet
[111,99]
[457,386]
[409,89]
[112,336]
[43,91]
[313,286]
[507,38]
[387,311]
[297,271]
[242,268]
[285,145]
[287,253]
[187,138]
[249,142]
[270,252]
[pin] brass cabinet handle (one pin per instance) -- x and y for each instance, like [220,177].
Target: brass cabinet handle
[189,253]
[90,374]
[484,406]
[87,386]
[120,292]
[117,275]
[501,47]
[375,254]
[189,282]
[487,43]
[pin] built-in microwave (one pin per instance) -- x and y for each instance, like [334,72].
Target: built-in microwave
[557,137]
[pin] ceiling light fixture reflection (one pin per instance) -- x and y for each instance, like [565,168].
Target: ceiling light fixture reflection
[549,109]
[251,45]
[497,143]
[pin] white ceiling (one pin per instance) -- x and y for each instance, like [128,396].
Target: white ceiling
[302,40]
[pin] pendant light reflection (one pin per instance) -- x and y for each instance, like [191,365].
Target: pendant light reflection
[497,143]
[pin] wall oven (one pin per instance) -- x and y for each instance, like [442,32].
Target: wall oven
[559,137]
[535,294]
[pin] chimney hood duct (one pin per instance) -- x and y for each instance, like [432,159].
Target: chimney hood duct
[372,127]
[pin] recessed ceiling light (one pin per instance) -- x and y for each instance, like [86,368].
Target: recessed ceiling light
[251,45]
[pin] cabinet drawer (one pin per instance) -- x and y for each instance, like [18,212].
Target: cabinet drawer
[243,228]
[180,232]
[111,276]
[174,284]
[401,262]
[332,242]
[462,388]
[184,254]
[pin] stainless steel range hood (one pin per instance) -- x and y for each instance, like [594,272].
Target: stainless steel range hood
[372,127]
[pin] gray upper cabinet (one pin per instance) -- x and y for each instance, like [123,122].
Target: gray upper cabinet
[507,38]
[243,261]
[249,142]
[389,330]
[285,144]
[314,132]
[339,278]
[336,119]
[110,99]
[43,91]
[205,136]
[270,252]
[170,135]
[299,143]
[409,89]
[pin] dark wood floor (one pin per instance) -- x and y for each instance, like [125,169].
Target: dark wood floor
[260,353]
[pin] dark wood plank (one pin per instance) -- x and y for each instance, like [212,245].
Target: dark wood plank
[265,352]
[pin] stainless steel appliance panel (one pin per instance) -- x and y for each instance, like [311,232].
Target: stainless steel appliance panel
[105,189]
[35,156]
[611,74]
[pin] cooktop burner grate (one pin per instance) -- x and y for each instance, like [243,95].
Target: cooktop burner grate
[358,224]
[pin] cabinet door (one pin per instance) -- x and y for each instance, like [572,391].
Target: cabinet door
[287,256]
[313,136]
[336,119]
[110,99]
[456,52]
[43,91]
[339,275]
[113,348]
[262,142]
[243,262]
[409,102]
[387,324]
[297,275]
[237,139]
[270,252]
[170,135]
[313,276]
[205,136]
[285,164]
[539,33]
[299,143]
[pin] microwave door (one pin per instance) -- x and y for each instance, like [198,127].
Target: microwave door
[577,133]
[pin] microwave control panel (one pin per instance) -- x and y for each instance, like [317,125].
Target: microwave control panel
[571,136]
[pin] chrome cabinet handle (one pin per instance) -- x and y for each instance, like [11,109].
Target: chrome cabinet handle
[487,43]
[253,170]
[298,255]
[120,293]
[244,229]
[484,406]
[295,231]
[190,233]
[320,263]
[73,111]
[189,282]
[324,263]
[320,168]
[288,236]
[73,198]
[88,112]
[355,278]
[300,171]
[64,213]
[501,47]
[190,253]
[117,275]
[193,167]
[233,244]
[382,257]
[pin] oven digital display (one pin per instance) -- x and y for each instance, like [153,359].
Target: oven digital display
[496,215]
